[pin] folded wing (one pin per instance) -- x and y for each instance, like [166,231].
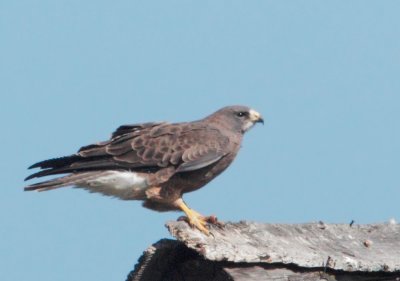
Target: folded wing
[147,147]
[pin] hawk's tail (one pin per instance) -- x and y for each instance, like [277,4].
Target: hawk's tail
[68,180]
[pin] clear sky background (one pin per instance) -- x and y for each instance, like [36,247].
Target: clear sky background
[325,75]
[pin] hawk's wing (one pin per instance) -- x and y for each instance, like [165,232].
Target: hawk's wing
[146,147]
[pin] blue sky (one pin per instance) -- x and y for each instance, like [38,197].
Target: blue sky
[325,75]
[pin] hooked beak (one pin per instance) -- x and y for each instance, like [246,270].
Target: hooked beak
[256,117]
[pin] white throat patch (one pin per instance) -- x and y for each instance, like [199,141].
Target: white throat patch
[248,125]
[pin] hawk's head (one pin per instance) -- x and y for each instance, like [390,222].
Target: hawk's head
[237,117]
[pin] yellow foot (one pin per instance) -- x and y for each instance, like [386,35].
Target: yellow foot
[198,222]
[194,218]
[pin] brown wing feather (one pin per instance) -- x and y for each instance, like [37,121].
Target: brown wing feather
[202,148]
[146,147]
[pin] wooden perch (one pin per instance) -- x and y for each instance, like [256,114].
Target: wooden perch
[255,251]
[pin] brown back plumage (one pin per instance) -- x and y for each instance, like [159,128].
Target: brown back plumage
[144,147]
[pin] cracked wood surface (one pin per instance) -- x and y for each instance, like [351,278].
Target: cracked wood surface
[248,251]
[367,248]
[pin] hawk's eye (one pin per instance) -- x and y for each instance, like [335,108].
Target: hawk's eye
[241,114]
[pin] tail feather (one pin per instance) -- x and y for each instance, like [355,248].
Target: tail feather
[68,180]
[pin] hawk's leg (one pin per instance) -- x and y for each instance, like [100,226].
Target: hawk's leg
[194,218]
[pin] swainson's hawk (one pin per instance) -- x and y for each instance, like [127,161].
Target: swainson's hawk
[155,162]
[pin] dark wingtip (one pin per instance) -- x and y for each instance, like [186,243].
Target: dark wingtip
[42,163]
[36,165]
[41,174]
[29,177]
[35,175]
[56,162]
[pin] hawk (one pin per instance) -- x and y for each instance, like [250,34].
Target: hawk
[154,162]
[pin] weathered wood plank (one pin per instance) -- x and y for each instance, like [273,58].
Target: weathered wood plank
[171,260]
[366,248]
